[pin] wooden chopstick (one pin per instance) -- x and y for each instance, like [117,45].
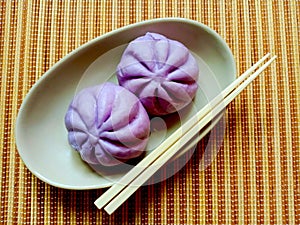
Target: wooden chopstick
[189,127]
[150,170]
[116,188]
[127,178]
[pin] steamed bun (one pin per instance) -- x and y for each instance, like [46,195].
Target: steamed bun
[107,125]
[161,72]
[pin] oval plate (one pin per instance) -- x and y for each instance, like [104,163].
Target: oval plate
[41,136]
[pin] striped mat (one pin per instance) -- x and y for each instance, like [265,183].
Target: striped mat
[255,176]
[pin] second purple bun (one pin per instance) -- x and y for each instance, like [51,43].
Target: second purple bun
[161,72]
[107,125]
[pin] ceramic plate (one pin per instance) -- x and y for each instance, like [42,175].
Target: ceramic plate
[41,136]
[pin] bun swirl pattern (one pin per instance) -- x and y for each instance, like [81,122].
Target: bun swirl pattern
[107,125]
[161,72]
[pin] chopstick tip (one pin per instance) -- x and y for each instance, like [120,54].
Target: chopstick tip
[98,204]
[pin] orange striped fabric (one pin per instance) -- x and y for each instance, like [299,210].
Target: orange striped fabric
[255,176]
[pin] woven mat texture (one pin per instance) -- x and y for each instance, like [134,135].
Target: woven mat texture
[255,176]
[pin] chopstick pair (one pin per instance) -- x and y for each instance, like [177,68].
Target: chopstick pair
[139,174]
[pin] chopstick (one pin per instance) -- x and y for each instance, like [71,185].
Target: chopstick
[116,188]
[170,146]
[127,178]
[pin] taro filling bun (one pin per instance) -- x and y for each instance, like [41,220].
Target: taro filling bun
[107,125]
[161,72]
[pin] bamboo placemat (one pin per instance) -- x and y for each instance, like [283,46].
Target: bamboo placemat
[255,177]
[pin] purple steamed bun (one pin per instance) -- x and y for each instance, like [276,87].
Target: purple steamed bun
[107,125]
[161,72]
